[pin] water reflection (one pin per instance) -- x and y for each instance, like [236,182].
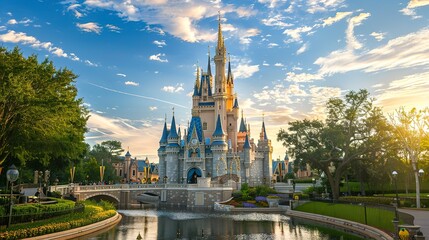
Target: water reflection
[160,224]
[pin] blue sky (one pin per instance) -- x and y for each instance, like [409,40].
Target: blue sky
[137,59]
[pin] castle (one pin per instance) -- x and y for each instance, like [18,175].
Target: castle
[215,147]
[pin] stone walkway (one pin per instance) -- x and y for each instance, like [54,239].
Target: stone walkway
[421,218]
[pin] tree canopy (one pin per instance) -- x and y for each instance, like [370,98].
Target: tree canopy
[354,130]
[41,118]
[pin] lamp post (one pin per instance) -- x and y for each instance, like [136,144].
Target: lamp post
[12,175]
[421,172]
[395,178]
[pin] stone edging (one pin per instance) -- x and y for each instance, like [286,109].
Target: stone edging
[81,231]
[372,232]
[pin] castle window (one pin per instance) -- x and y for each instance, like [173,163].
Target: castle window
[204,126]
[134,172]
[219,89]
[204,98]
[120,172]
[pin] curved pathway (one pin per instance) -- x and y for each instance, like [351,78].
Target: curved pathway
[421,218]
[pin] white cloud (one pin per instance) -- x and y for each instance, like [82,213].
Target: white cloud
[302,77]
[173,89]
[89,27]
[182,24]
[74,8]
[412,4]
[153,108]
[245,70]
[276,21]
[302,49]
[295,34]
[113,28]
[74,57]
[406,51]
[121,75]
[265,64]
[271,45]
[157,57]
[352,42]
[411,90]
[128,132]
[278,65]
[89,63]
[378,35]
[12,22]
[338,16]
[131,83]
[159,43]
[23,38]
[245,36]
[270,3]
[323,5]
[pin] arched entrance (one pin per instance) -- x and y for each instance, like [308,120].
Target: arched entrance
[193,174]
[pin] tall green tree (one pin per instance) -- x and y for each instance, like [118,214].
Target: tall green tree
[412,131]
[41,118]
[353,129]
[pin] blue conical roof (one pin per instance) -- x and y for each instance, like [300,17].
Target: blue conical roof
[164,134]
[128,154]
[218,131]
[229,78]
[235,103]
[209,68]
[243,127]
[173,131]
[246,142]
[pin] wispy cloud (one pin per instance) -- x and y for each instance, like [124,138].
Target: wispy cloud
[12,22]
[303,48]
[295,34]
[323,5]
[91,64]
[160,43]
[89,27]
[121,75]
[153,108]
[138,96]
[74,8]
[352,42]
[338,16]
[131,83]
[157,57]
[113,28]
[412,4]
[378,35]
[173,89]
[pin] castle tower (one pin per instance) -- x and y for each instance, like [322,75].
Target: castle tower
[265,151]
[172,150]
[219,93]
[219,149]
[127,165]
[161,152]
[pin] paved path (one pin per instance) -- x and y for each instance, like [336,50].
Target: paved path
[421,218]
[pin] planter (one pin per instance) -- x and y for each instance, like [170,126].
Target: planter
[273,202]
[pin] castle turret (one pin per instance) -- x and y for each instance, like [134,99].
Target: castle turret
[265,151]
[127,165]
[172,150]
[220,94]
[219,149]
[161,152]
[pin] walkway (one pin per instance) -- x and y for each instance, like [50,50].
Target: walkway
[421,218]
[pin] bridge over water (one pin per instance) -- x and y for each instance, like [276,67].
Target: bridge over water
[204,194]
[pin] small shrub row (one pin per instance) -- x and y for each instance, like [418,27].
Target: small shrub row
[93,213]
[371,200]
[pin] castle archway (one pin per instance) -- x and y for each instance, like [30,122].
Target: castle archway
[192,175]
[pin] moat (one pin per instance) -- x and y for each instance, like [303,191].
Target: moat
[172,224]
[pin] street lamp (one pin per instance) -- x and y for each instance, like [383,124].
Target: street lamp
[12,175]
[421,172]
[395,177]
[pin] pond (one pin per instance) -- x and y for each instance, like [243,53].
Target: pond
[173,224]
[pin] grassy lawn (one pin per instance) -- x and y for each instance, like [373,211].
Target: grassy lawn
[378,218]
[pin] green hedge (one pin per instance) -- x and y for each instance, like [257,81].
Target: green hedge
[373,200]
[93,212]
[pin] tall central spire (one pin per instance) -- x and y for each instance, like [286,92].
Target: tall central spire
[219,34]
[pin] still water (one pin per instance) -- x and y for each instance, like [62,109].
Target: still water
[163,224]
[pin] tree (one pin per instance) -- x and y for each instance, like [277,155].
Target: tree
[354,128]
[114,148]
[412,131]
[41,118]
